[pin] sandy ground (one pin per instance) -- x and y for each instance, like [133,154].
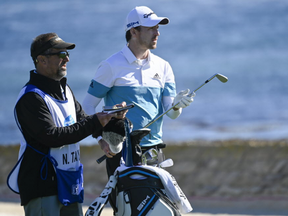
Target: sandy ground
[14,209]
[252,208]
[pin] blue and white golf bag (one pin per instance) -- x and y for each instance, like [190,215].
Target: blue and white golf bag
[142,189]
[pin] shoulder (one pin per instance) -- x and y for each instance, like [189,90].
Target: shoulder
[114,58]
[161,63]
[158,59]
[30,102]
[30,98]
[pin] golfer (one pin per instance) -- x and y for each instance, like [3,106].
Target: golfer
[135,75]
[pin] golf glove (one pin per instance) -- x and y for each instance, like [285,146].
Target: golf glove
[184,99]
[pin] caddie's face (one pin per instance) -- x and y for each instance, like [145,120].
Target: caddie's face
[148,37]
[56,64]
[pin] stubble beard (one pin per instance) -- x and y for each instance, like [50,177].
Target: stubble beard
[61,72]
[153,44]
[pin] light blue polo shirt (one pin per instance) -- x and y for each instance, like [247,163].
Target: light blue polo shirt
[122,77]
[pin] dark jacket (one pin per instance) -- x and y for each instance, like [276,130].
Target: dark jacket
[40,131]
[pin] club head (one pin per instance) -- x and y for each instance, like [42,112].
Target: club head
[166,163]
[222,78]
[150,157]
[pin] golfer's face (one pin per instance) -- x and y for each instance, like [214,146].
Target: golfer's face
[148,37]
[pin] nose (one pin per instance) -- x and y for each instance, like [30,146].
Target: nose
[157,33]
[66,59]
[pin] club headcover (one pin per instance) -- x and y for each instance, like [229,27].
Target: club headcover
[136,137]
[114,134]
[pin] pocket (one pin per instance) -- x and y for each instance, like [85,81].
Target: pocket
[70,186]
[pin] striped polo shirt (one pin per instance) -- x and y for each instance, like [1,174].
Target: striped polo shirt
[122,77]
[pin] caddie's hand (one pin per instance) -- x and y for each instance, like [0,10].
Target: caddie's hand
[105,147]
[104,118]
[121,114]
[183,99]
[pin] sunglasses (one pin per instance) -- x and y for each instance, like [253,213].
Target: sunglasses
[61,55]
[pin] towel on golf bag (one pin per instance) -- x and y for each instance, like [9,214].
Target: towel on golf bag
[98,204]
[171,186]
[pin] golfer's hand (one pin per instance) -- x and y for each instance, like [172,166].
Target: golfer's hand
[183,99]
[105,147]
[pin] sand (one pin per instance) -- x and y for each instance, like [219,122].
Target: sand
[14,209]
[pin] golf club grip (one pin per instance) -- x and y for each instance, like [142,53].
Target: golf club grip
[101,159]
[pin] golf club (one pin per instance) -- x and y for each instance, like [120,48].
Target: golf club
[166,163]
[220,77]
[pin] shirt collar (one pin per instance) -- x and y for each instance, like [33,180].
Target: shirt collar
[131,57]
[50,86]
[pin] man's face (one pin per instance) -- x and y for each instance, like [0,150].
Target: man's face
[56,64]
[148,37]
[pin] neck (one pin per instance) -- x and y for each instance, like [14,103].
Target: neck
[138,52]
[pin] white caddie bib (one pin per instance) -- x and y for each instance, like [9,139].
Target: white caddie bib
[63,114]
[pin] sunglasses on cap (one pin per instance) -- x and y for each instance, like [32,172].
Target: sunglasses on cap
[62,54]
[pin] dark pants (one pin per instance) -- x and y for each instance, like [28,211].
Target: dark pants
[50,206]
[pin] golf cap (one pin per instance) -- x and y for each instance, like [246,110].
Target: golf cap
[55,42]
[143,16]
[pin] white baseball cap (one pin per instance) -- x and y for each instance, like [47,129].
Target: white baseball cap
[143,16]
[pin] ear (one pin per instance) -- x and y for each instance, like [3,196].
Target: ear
[133,31]
[41,59]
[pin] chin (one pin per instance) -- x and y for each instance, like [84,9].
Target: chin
[62,73]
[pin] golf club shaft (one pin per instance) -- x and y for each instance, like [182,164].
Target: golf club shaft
[179,102]
[208,80]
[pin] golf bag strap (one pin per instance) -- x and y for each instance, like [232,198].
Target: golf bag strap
[98,204]
[125,181]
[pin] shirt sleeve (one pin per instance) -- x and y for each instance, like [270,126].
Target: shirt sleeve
[170,86]
[167,104]
[90,103]
[38,126]
[102,81]
[170,93]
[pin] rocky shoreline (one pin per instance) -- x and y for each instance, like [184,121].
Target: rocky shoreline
[233,169]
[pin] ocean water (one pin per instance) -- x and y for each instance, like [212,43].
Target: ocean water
[241,39]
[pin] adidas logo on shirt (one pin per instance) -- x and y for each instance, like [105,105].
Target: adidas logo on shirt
[91,85]
[156,76]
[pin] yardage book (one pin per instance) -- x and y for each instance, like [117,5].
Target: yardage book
[114,109]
